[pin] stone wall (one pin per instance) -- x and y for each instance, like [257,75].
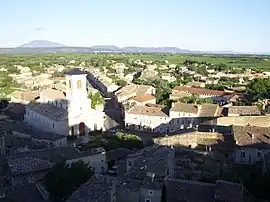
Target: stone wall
[187,139]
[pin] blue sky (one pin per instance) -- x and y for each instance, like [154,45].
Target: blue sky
[235,25]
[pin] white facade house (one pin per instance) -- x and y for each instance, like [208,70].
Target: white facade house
[68,115]
[155,118]
[147,118]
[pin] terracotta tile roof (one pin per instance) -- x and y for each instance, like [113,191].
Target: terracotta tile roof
[244,110]
[24,95]
[22,166]
[53,94]
[143,98]
[194,191]
[133,90]
[230,191]
[148,111]
[49,110]
[204,110]
[252,136]
[200,91]
[184,107]
[261,121]
[96,189]
[208,110]
[187,190]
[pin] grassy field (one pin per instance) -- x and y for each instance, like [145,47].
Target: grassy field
[261,62]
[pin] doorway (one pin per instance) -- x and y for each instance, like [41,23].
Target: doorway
[82,128]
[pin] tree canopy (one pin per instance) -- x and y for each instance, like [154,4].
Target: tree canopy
[259,88]
[96,99]
[196,100]
[63,179]
[119,140]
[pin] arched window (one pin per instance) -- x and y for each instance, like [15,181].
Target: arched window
[69,83]
[79,84]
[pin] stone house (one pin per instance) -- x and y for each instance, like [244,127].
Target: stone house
[143,174]
[28,169]
[36,136]
[99,188]
[194,191]
[156,118]
[24,97]
[151,118]
[243,111]
[133,90]
[96,158]
[252,144]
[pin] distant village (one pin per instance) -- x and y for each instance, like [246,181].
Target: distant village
[198,125]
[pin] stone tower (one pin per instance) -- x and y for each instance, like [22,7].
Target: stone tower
[76,92]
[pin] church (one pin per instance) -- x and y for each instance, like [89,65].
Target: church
[68,113]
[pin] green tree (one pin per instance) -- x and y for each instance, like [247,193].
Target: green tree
[120,82]
[196,100]
[129,141]
[259,88]
[63,179]
[96,99]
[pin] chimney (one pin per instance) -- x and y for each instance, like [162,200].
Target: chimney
[252,136]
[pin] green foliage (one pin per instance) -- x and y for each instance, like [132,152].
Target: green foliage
[96,99]
[259,88]
[215,86]
[120,82]
[62,180]
[218,62]
[119,140]
[196,100]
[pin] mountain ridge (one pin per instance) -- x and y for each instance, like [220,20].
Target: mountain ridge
[41,44]
[44,46]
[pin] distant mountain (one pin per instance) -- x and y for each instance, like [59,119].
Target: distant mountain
[41,44]
[44,46]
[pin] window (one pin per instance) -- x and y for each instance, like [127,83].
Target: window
[243,154]
[79,84]
[129,163]
[53,125]
[147,200]
[258,154]
[69,83]
[151,193]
